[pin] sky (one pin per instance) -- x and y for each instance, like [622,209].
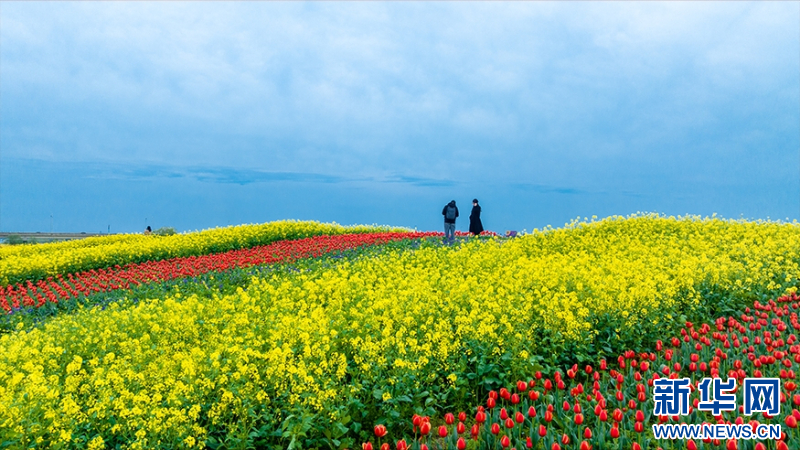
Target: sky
[194,115]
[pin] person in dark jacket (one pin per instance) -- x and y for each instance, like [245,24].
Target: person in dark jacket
[475,225]
[450,212]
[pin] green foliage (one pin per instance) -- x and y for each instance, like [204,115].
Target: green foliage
[165,231]
[14,239]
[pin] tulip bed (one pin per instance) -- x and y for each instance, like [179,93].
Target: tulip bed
[316,354]
[600,406]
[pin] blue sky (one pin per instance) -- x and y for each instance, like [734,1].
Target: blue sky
[196,115]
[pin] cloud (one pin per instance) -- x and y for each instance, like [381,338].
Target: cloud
[500,91]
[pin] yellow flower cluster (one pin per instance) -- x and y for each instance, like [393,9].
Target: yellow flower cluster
[163,373]
[32,262]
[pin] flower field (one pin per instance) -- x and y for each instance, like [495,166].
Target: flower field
[52,290]
[19,264]
[610,406]
[340,352]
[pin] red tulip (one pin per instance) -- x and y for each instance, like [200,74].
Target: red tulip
[565,439]
[578,419]
[366,446]
[519,418]
[636,446]
[505,442]
[401,445]
[509,423]
[425,428]
[442,431]
[555,446]
[731,445]
[531,412]
[449,418]
[529,442]
[614,432]
[461,428]
[542,430]
[791,421]
[385,446]
[690,445]
[380,430]
[585,446]
[460,444]
[495,428]
[587,433]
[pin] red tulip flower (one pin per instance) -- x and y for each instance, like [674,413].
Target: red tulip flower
[442,431]
[542,430]
[449,418]
[366,446]
[380,430]
[425,428]
[461,445]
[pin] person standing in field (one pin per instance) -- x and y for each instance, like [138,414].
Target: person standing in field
[475,225]
[450,212]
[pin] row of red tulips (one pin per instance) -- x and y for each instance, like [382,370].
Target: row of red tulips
[61,288]
[611,407]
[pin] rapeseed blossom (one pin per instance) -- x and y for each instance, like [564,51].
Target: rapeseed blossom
[177,371]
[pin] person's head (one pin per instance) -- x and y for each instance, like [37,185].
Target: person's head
[452,203]
[475,202]
[149,229]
